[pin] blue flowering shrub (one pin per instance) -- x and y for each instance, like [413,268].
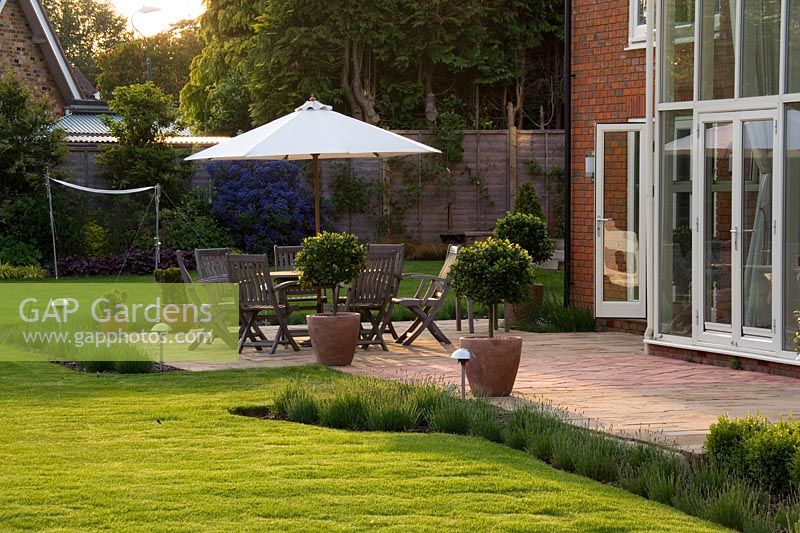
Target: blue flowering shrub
[263,203]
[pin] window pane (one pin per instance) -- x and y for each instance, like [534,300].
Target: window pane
[717,50]
[677,51]
[718,223]
[621,216]
[675,226]
[793,48]
[641,13]
[791,275]
[756,257]
[761,44]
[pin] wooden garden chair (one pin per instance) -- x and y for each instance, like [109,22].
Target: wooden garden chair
[258,296]
[212,264]
[427,301]
[399,250]
[217,327]
[304,299]
[370,295]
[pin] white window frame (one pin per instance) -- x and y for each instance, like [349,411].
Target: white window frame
[637,33]
[2,4]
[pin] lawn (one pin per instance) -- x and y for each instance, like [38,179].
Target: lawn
[553,281]
[160,451]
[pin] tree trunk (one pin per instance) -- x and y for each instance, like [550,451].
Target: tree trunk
[365,102]
[356,110]
[428,98]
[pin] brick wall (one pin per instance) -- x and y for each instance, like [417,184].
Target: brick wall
[20,54]
[718,359]
[608,86]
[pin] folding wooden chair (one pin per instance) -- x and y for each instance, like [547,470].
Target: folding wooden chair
[370,295]
[212,264]
[427,300]
[257,296]
[217,327]
[400,251]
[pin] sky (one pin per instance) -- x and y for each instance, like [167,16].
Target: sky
[151,23]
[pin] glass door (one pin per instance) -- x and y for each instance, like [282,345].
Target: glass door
[736,227]
[619,222]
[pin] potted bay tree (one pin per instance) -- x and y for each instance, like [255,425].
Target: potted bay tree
[326,261]
[491,272]
[530,232]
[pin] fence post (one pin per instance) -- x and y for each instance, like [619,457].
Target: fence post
[512,159]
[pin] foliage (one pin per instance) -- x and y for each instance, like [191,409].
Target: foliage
[757,450]
[552,316]
[141,157]
[529,231]
[492,271]
[190,224]
[133,262]
[21,272]
[263,204]
[346,410]
[171,53]
[302,408]
[86,29]
[797,334]
[167,275]
[351,194]
[452,416]
[382,62]
[449,137]
[29,143]
[527,201]
[329,259]
[217,97]
[16,253]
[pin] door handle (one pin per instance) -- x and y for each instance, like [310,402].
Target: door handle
[599,221]
[735,237]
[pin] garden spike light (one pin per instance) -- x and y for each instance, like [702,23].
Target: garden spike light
[463,356]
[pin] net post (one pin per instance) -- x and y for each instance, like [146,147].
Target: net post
[52,220]
[158,235]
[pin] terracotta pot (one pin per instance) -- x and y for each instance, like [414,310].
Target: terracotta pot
[334,337]
[532,300]
[493,370]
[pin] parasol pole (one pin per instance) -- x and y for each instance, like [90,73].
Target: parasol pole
[316,192]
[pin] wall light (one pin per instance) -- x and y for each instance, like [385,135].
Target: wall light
[590,165]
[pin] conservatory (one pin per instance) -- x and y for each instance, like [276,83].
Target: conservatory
[726,196]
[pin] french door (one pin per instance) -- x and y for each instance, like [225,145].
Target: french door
[619,222]
[734,229]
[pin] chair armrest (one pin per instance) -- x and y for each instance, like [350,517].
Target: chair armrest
[285,285]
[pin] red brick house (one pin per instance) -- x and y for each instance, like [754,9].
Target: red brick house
[685,217]
[29,47]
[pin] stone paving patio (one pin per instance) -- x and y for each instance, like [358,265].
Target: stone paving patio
[603,380]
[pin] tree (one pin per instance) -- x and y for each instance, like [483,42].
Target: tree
[217,97]
[171,54]
[371,58]
[29,143]
[141,156]
[29,146]
[86,29]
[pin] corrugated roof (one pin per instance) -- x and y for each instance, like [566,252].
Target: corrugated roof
[85,124]
[87,128]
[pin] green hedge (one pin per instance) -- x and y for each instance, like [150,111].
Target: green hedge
[755,449]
